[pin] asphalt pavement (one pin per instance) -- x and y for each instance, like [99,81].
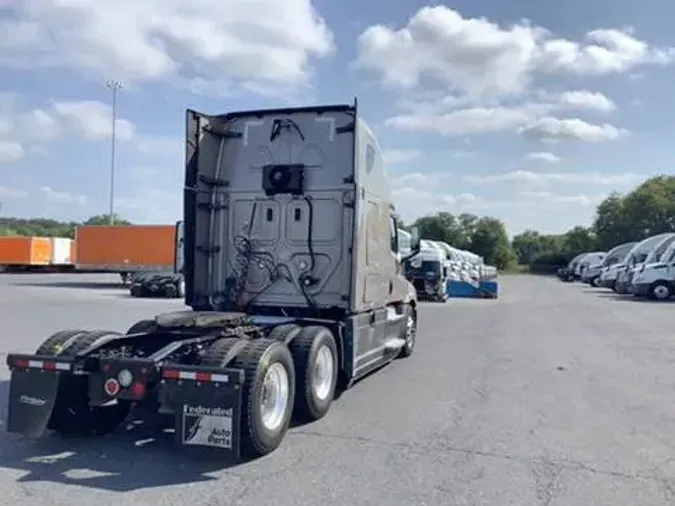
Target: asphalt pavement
[554,394]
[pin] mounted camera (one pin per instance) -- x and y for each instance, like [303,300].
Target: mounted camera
[283,178]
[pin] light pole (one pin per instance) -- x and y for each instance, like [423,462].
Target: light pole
[113,85]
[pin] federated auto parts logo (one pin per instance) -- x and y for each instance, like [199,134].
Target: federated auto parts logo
[32,401]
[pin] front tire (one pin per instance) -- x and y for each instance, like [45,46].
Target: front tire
[660,290]
[316,363]
[409,332]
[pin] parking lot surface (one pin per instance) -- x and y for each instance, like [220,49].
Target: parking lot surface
[554,394]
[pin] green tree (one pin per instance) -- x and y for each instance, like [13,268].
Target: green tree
[527,245]
[612,224]
[578,240]
[491,241]
[43,227]
[104,219]
[441,227]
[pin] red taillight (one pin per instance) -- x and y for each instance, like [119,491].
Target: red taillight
[170,374]
[203,376]
[138,390]
[49,366]
[21,364]
[111,387]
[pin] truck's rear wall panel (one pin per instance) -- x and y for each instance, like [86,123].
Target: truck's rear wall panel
[280,228]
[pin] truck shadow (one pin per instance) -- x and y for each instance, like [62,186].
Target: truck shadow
[630,298]
[79,285]
[139,455]
[597,291]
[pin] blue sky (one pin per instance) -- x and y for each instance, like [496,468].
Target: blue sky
[528,111]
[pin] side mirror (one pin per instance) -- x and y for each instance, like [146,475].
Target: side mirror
[415,239]
[414,243]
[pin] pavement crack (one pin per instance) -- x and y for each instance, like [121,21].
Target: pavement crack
[560,465]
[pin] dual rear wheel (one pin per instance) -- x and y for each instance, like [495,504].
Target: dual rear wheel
[289,375]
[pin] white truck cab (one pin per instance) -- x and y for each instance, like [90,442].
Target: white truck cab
[428,272]
[643,252]
[589,258]
[656,279]
[591,267]
[612,264]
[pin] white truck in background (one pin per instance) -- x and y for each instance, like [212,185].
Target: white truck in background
[641,253]
[612,264]
[656,279]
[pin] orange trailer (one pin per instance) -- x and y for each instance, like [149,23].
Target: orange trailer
[17,251]
[125,248]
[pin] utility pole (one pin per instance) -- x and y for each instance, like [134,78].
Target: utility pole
[113,85]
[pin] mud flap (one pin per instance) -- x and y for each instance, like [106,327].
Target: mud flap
[207,413]
[32,396]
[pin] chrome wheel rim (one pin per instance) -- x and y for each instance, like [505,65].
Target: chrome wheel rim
[274,396]
[324,368]
[410,332]
[661,292]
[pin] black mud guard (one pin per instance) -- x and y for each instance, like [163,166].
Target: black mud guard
[33,390]
[207,406]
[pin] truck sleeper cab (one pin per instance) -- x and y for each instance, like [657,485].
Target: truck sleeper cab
[293,276]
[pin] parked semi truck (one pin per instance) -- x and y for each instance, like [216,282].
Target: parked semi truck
[126,249]
[293,280]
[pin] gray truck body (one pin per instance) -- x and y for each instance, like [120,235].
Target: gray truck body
[291,263]
[345,212]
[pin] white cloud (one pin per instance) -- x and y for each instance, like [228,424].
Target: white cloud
[544,178]
[23,129]
[155,146]
[246,40]
[433,114]
[571,128]
[396,156]
[545,199]
[7,192]
[478,120]
[61,197]
[416,194]
[91,120]
[10,151]
[587,100]
[476,57]
[543,157]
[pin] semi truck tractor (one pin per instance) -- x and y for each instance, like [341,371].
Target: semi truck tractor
[294,288]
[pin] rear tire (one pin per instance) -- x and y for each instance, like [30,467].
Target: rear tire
[72,415]
[170,291]
[267,397]
[316,365]
[594,282]
[142,326]
[136,291]
[285,332]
